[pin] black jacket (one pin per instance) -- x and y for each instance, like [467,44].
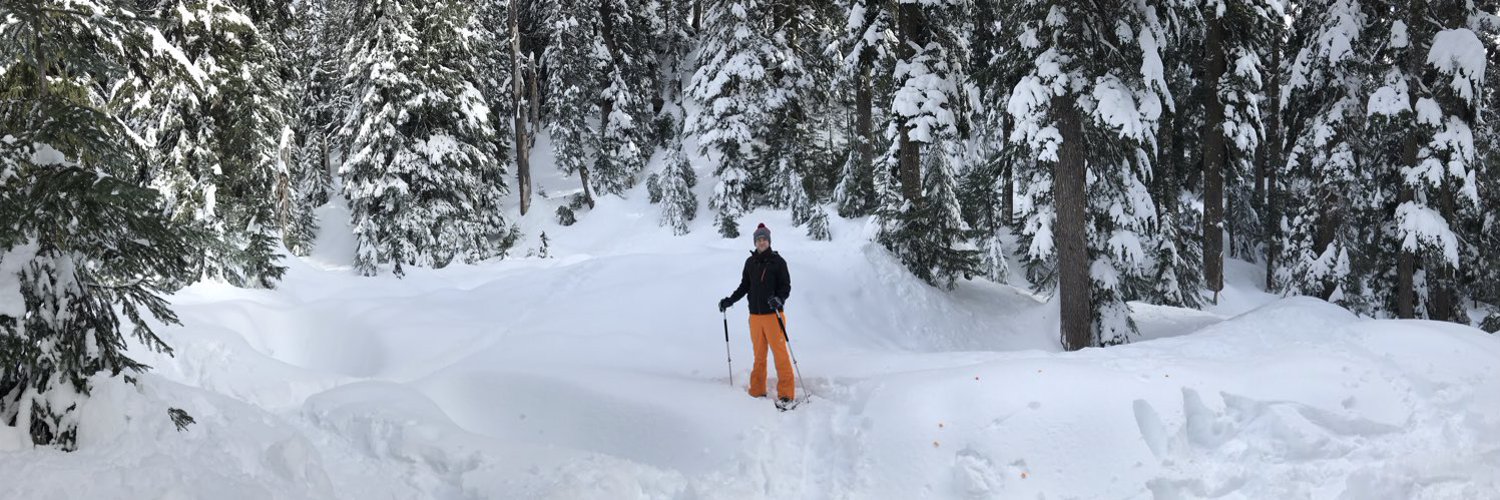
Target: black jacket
[765,276]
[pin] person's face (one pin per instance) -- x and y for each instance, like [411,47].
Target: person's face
[761,244]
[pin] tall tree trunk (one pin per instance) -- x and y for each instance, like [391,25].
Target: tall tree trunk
[1271,159]
[519,112]
[1328,226]
[1070,236]
[1165,178]
[910,152]
[910,156]
[1213,160]
[864,129]
[1008,194]
[535,75]
[1406,261]
[327,163]
[697,16]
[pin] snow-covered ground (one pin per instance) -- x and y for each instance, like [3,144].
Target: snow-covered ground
[601,373]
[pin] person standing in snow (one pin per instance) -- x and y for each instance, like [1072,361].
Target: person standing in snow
[767,282]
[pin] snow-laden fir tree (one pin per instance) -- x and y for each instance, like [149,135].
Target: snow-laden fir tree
[422,176]
[1235,41]
[865,49]
[679,206]
[728,90]
[930,237]
[315,41]
[80,242]
[1429,103]
[1325,98]
[572,61]
[601,81]
[1482,261]
[926,120]
[223,140]
[1087,107]
[788,148]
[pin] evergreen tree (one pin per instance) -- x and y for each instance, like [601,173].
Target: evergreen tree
[80,241]
[627,33]
[1324,87]
[222,139]
[926,124]
[866,58]
[930,237]
[422,178]
[1088,109]
[1429,100]
[572,85]
[675,183]
[728,88]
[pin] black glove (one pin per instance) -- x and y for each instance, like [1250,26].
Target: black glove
[724,303]
[776,302]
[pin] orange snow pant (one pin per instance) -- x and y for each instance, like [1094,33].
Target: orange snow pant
[764,331]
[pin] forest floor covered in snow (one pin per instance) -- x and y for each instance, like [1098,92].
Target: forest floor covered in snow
[600,372]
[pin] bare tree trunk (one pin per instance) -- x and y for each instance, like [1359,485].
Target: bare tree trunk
[519,113]
[910,152]
[1070,235]
[864,129]
[697,16]
[1166,166]
[535,75]
[910,156]
[1328,226]
[1213,160]
[328,168]
[1271,160]
[1008,195]
[1406,261]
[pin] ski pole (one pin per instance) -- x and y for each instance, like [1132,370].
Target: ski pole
[798,369]
[726,348]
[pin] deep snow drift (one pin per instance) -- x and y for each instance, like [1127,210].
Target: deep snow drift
[601,373]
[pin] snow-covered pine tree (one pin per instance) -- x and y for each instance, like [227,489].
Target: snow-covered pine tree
[1088,108]
[1432,93]
[80,243]
[422,177]
[1325,103]
[926,123]
[675,182]
[1176,246]
[865,62]
[627,33]
[787,147]
[987,190]
[572,87]
[1237,34]
[930,237]
[673,43]
[817,225]
[1482,263]
[729,89]
[315,41]
[222,139]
